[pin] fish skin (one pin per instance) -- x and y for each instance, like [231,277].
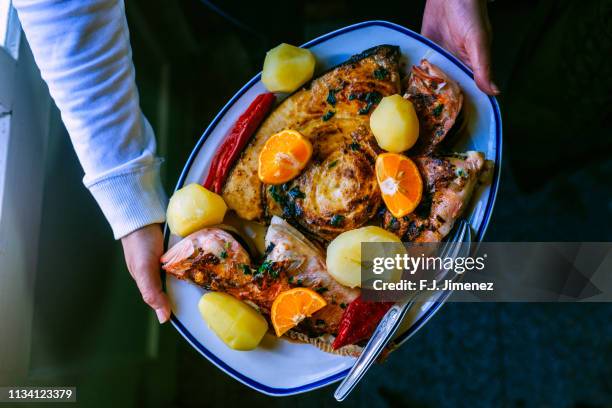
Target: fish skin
[339,183]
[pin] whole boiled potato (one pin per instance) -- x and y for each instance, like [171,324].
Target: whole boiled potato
[395,124]
[344,253]
[286,68]
[237,324]
[194,207]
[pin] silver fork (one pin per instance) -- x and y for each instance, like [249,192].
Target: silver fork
[457,245]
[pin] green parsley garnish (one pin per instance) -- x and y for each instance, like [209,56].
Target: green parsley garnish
[380,73]
[460,172]
[296,193]
[372,98]
[332,164]
[321,290]
[336,220]
[328,115]
[276,195]
[223,254]
[438,110]
[331,97]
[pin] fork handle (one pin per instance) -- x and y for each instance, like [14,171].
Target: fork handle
[383,333]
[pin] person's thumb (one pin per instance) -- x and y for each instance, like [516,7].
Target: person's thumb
[142,249]
[480,58]
[148,281]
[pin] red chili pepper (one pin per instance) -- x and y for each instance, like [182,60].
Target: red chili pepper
[359,321]
[241,132]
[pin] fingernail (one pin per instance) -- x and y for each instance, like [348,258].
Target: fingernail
[495,88]
[161,315]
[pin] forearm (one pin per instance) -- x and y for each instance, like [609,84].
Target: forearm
[82,49]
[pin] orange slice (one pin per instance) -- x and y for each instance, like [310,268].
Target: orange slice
[292,306]
[400,183]
[283,157]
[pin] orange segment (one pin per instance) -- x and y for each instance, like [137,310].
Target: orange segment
[283,157]
[400,183]
[292,306]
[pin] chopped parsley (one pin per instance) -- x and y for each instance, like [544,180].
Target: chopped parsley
[268,268]
[296,193]
[299,282]
[331,97]
[223,254]
[332,164]
[354,146]
[380,73]
[290,280]
[372,98]
[276,195]
[264,267]
[343,305]
[352,96]
[328,115]
[438,110]
[460,172]
[321,290]
[336,220]
[246,269]
[287,204]
[273,273]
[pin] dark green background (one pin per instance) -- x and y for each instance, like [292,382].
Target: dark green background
[552,62]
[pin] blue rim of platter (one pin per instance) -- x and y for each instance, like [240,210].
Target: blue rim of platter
[437,304]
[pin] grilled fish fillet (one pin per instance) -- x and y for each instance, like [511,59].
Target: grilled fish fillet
[437,100]
[337,191]
[213,259]
[304,265]
[449,183]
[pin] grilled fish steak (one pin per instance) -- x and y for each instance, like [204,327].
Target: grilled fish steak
[214,260]
[437,101]
[449,183]
[304,265]
[337,191]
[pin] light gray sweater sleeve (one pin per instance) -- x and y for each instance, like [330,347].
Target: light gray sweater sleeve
[83,51]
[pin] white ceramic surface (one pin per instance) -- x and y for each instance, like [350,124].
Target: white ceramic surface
[279,367]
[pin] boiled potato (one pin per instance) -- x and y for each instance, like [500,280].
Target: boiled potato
[237,324]
[286,68]
[395,124]
[193,207]
[344,253]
